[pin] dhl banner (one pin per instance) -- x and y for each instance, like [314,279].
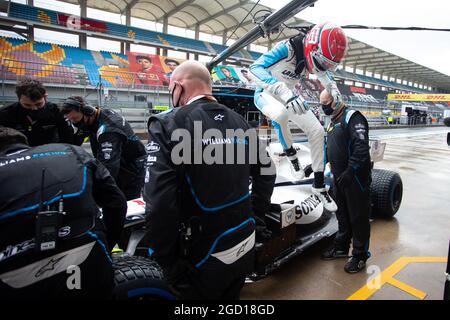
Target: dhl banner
[437,97]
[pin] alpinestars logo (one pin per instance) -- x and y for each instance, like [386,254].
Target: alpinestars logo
[241,249]
[219,117]
[49,266]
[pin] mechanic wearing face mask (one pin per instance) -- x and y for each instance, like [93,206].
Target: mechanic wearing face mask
[39,120]
[201,226]
[113,143]
[348,153]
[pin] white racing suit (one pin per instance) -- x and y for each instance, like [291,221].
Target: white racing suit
[274,74]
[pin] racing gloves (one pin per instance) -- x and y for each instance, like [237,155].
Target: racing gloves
[326,79]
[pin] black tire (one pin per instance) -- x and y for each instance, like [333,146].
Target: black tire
[447,121]
[139,278]
[386,193]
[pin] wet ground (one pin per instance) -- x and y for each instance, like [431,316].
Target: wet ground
[408,251]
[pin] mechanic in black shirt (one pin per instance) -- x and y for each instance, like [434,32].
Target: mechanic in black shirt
[37,250]
[113,143]
[199,211]
[39,120]
[348,153]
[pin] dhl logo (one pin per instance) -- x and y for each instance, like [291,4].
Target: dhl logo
[419,97]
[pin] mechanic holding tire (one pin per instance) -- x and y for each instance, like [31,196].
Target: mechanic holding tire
[54,240]
[348,153]
[113,143]
[200,214]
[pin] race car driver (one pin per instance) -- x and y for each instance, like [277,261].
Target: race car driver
[349,157]
[37,118]
[207,201]
[54,241]
[113,143]
[276,73]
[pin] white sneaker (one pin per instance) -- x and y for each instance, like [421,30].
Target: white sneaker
[328,202]
[296,169]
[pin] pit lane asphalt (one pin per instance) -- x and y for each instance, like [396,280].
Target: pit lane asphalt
[421,228]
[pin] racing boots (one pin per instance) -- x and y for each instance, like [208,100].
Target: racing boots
[324,197]
[296,168]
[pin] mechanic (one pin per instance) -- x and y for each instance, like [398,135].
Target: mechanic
[113,143]
[51,224]
[348,152]
[38,119]
[278,71]
[210,203]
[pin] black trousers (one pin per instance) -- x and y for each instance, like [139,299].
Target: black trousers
[353,216]
[130,183]
[215,280]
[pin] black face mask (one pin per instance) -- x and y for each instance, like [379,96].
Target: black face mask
[327,109]
[82,126]
[34,114]
[179,97]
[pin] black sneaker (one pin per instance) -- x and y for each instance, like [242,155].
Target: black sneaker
[355,264]
[334,253]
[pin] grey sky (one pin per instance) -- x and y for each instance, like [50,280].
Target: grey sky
[431,49]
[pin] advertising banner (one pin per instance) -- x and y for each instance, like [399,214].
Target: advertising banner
[419,97]
[148,69]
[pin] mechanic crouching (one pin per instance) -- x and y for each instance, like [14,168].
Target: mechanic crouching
[348,153]
[200,213]
[113,143]
[54,241]
[35,117]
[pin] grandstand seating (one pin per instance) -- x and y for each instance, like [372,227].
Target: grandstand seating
[365,79]
[30,13]
[70,65]
[81,58]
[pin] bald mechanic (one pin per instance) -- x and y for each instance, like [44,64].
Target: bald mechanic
[200,214]
[349,155]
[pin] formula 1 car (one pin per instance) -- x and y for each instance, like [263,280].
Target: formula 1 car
[297,220]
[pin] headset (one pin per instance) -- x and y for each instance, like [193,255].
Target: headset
[83,107]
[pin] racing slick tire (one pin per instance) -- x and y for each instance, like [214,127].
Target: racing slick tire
[139,278]
[386,193]
[447,121]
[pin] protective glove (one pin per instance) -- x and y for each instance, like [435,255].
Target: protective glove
[346,178]
[337,98]
[297,105]
[262,234]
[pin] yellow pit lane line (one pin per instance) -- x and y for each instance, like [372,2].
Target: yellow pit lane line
[387,276]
